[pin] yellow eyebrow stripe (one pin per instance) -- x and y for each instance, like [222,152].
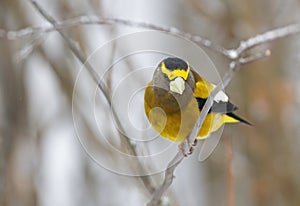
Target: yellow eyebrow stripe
[175,73]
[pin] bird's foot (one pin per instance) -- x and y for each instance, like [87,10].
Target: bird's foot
[181,147]
[191,146]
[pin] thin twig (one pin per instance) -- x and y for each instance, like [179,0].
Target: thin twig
[255,57]
[267,37]
[77,52]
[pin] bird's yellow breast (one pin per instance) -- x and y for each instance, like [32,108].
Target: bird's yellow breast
[176,125]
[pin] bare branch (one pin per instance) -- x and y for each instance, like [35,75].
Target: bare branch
[92,20]
[168,179]
[77,52]
[255,57]
[267,37]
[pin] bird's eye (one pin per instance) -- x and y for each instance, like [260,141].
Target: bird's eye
[172,76]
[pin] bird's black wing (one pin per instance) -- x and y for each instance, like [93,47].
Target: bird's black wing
[218,107]
[222,107]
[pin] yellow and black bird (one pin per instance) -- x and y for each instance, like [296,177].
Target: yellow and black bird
[174,98]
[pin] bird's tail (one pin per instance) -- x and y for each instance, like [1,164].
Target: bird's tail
[231,117]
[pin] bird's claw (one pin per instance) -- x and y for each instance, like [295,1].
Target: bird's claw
[191,147]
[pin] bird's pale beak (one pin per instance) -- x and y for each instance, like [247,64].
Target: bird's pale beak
[177,85]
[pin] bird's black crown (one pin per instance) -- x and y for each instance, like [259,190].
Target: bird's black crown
[175,63]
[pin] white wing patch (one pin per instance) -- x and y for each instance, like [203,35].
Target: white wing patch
[221,96]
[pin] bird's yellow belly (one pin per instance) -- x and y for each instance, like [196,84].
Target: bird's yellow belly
[176,126]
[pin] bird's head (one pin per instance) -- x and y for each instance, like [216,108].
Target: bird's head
[174,74]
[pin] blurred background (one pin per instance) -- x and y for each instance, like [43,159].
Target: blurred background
[54,150]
